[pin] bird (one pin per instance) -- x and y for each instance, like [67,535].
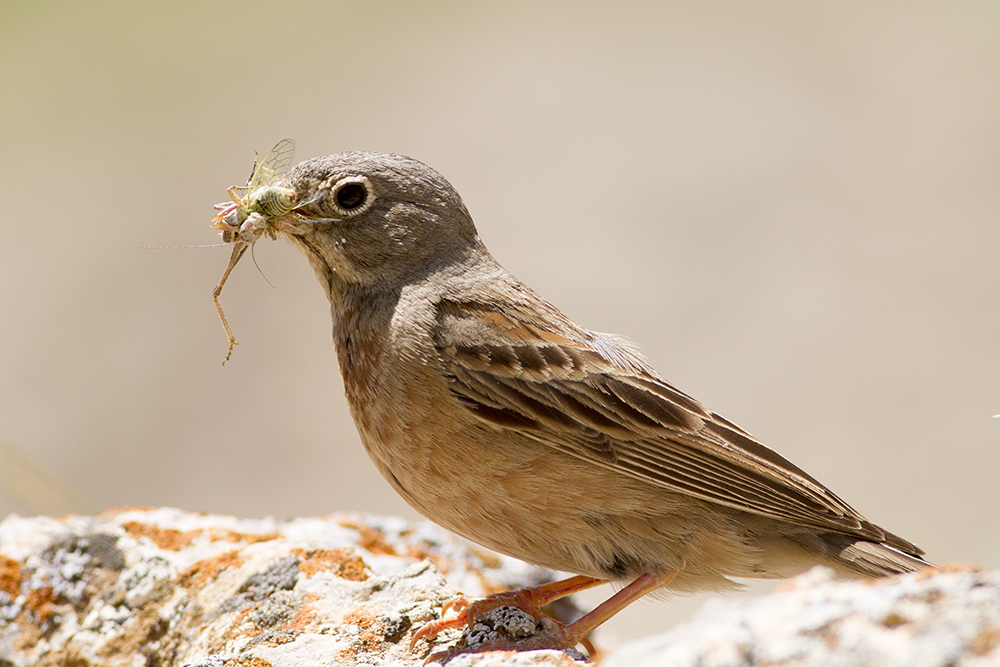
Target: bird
[497,417]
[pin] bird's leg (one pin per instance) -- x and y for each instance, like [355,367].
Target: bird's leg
[575,632]
[563,637]
[529,600]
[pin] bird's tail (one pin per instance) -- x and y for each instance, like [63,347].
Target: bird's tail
[874,559]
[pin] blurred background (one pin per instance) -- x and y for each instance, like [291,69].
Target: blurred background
[794,209]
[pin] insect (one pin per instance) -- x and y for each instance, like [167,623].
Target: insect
[249,215]
[253,210]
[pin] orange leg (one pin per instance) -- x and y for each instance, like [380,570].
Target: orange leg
[529,600]
[576,631]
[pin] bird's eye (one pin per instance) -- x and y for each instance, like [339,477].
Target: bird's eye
[352,195]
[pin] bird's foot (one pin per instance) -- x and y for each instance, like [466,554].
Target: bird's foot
[506,621]
[507,628]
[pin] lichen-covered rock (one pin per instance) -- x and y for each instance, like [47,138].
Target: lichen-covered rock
[152,588]
[940,618]
[165,588]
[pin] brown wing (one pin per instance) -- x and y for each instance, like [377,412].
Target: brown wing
[585,395]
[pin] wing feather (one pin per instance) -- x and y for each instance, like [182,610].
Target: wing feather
[559,388]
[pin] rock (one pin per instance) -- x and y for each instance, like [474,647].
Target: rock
[166,588]
[926,619]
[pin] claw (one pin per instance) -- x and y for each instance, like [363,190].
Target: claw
[529,601]
[432,629]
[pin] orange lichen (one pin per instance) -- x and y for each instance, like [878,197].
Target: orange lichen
[371,633]
[224,534]
[343,562]
[375,541]
[370,538]
[169,539]
[10,576]
[172,539]
[39,602]
[247,662]
[304,619]
[207,569]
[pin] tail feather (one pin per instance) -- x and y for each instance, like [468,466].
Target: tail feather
[899,544]
[874,559]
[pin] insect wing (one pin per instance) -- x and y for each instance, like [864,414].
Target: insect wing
[274,164]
